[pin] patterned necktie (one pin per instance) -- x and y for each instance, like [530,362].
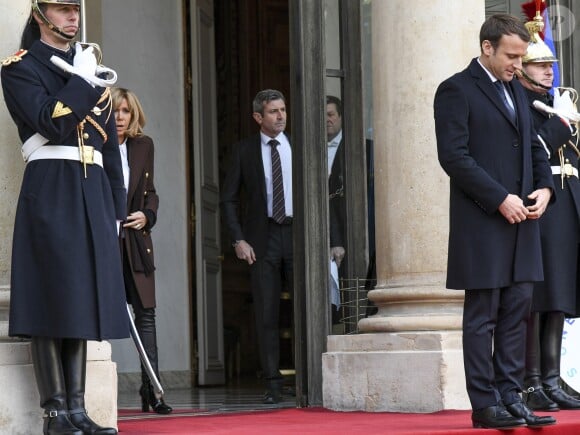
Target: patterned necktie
[278,207]
[502,90]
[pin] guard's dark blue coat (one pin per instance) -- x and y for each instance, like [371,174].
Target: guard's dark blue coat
[487,156]
[560,224]
[66,270]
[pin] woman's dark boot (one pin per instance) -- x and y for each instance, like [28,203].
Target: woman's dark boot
[534,395]
[46,359]
[148,399]
[145,324]
[551,352]
[74,356]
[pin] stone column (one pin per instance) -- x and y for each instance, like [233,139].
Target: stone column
[412,361]
[19,400]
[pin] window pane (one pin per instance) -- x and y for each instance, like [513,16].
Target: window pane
[332,28]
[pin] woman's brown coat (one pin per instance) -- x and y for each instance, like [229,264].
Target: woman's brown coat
[141,196]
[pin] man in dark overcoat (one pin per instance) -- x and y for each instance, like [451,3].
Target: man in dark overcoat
[261,167]
[500,185]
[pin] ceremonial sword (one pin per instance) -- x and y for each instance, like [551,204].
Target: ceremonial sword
[157,388]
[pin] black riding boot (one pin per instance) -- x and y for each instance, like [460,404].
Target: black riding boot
[551,352]
[534,395]
[74,361]
[145,323]
[46,359]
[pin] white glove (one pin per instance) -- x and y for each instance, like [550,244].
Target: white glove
[85,66]
[564,107]
[84,62]
[563,101]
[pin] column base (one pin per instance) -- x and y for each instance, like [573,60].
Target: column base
[20,403]
[419,306]
[396,372]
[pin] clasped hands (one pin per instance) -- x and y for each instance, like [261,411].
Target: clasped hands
[85,66]
[514,211]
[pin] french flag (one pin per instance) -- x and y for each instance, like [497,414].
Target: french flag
[549,40]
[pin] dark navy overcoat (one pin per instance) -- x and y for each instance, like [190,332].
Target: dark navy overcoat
[560,224]
[487,156]
[66,278]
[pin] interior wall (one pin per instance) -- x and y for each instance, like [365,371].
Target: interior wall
[142,41]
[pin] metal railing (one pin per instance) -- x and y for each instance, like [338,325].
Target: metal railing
[354,304]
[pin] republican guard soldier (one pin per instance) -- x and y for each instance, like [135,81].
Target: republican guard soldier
[557,296]
[66,278]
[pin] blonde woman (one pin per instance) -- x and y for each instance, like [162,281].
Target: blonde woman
[142,202]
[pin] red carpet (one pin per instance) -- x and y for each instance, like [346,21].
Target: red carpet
[322,421]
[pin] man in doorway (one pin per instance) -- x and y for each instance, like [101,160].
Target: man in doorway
[500,185]
[261,166]
[336,204]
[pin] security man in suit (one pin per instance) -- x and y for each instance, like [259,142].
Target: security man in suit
[261,166]
[500,185]
[336,202]
[66,278]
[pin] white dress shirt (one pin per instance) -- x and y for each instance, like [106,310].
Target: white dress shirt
[125,164]
[495,79]
[332,150]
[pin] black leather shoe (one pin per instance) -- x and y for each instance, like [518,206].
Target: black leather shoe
[272,397]
[495,417]
[563,399]
[518,409]
[535,398]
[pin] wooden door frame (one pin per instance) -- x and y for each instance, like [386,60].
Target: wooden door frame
[310,226]
[311,244]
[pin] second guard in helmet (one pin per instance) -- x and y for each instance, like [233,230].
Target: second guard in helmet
[556,297]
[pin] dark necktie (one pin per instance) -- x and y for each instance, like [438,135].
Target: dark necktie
[278,207]
[501,89]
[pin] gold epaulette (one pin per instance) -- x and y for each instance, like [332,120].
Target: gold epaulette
[16,57]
